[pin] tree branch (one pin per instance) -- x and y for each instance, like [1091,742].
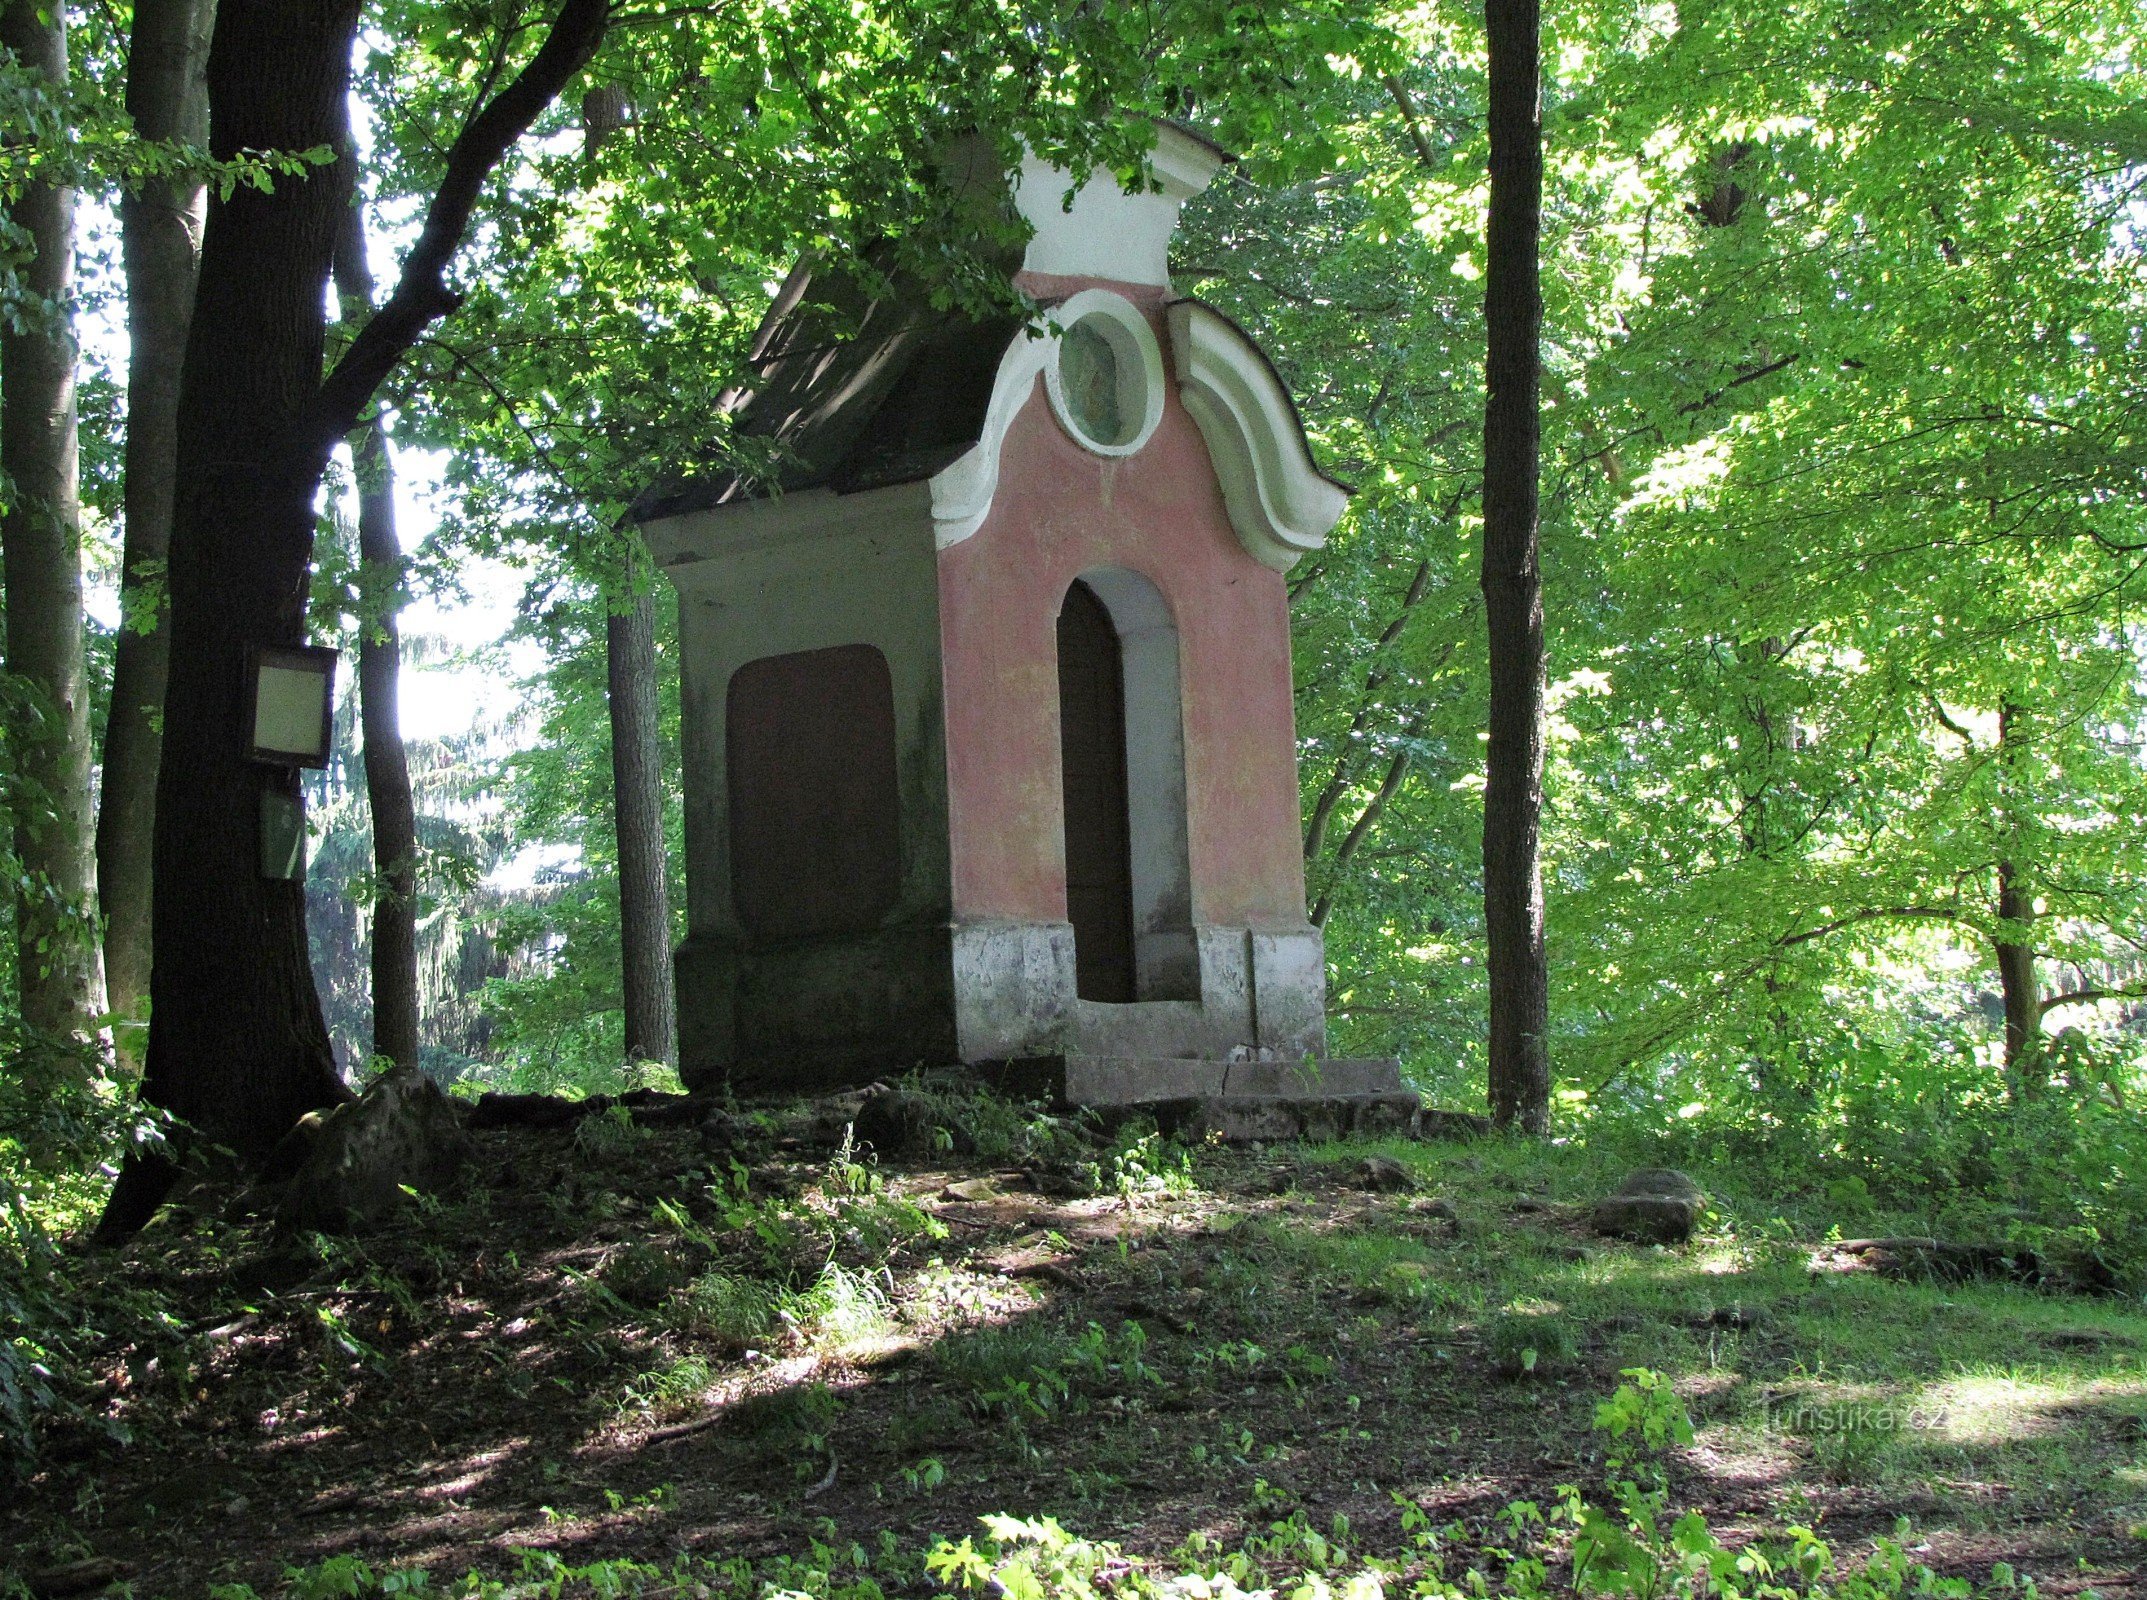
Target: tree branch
[1407,106]
[421,293]
[1368,818]
[1880,914]
[1737,382]
[2088,997]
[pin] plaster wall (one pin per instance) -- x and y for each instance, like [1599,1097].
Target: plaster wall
[1061,511]
[810,572]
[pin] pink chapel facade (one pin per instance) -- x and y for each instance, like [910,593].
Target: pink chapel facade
[988,739]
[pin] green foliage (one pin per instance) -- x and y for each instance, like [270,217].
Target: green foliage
[1647,1406]
[1904,1123]
[1141,1162]
[1025,1372]
[729,1311]
[1525,1343]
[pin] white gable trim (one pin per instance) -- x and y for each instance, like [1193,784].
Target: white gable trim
[1109,233]
[962,490]
[1280,504]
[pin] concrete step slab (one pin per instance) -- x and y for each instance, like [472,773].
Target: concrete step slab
[1113,1081]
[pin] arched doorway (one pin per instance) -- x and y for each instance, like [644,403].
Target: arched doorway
[1122,755]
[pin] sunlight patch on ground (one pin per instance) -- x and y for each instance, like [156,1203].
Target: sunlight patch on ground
[1722,1261]
[1996,1408]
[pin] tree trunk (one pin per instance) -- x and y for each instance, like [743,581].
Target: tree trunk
[2016,975]
[1520,1079]
[380,655]
[41,544]
[646,983]
[160,237]
[237,1044]
[637,795]
[2014,943]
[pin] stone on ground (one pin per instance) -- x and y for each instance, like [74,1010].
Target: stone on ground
[1383,1175]
[898,1122]
[402,1133]
[1654,1205]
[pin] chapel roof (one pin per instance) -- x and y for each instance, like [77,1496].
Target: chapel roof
[854,391]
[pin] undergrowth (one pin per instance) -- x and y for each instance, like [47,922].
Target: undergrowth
[1625,1544]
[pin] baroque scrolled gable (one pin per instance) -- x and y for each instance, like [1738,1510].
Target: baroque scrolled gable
[1281,505]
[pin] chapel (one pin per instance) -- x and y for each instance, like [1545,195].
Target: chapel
[988,740]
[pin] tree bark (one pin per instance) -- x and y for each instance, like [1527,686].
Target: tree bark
[2017,983]
[237,1044]
[380,656]
[637,795]
[41,545]
[2013,944]
[1520,1078]
[160,238]
[648,993]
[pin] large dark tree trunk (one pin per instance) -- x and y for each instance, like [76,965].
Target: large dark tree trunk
[380,656]
[160,237]
[237,1044]
[1520,1078]
[41,543]
[637,791]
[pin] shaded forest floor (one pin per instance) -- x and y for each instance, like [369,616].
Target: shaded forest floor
[622,1341]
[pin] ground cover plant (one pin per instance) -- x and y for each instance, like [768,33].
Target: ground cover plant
[651,1360]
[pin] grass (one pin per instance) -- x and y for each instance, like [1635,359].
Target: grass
[1210,1358]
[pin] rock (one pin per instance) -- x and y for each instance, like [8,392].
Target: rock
[720,1130]
[1383,1175]
[294,1148]
[647,1270]
[974,1190]
[1435,1124]
[401,1133]
[1654,1205]
[1437,1210]
[1663,1181]
[2082,1338]
[898,1122]
[1060,1180]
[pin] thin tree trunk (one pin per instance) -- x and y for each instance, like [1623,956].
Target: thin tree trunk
[648,990]
[41,544]
[637,786]
[380,654]
[2017,983]
[1368,818]
[2014,944]
[1520,1077]
[1345,761]
[160,238]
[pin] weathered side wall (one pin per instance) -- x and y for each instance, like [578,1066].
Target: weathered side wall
[807,573]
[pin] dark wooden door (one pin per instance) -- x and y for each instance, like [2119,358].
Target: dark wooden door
[816,811]
[1092,745]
